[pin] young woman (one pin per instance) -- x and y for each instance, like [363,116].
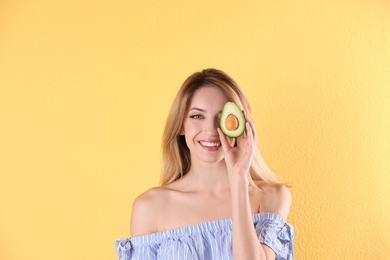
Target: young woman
[217,199]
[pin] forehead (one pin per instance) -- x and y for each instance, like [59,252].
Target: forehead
[208,97]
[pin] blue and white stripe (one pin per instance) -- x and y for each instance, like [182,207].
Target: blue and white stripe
[206,241]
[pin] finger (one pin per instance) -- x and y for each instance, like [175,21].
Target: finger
[250,135]
[224,140]
[251,124]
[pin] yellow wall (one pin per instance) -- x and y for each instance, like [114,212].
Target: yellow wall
[85,87]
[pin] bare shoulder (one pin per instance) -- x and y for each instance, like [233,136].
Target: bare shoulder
[276,199]
[146,208]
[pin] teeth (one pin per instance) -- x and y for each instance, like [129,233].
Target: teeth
[209,144]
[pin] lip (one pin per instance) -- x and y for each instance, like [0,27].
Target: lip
[210,148]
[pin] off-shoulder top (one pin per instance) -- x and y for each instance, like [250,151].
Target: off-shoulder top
[207,240]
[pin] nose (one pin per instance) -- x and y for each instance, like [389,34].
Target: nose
[212,125]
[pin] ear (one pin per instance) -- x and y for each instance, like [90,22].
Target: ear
[181,131]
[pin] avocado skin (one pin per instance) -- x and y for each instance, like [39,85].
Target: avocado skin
[232,108]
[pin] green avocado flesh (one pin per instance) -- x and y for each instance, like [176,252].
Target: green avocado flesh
[232,120]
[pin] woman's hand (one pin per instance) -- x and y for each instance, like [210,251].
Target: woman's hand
[239,159]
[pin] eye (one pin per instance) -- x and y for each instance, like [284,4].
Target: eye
[196,116]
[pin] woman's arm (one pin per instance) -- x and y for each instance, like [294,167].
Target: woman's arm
[246,244]
[238,159]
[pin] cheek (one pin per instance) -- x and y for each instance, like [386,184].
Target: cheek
[190,127]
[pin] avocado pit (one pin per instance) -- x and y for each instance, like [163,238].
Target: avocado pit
[231,122]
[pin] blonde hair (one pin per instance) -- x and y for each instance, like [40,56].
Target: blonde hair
[176,160]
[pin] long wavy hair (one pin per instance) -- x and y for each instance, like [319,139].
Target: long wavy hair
[176,160]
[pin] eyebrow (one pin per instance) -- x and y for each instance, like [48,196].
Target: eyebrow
[198,109]
[201,109]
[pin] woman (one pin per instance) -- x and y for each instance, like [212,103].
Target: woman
[217,199]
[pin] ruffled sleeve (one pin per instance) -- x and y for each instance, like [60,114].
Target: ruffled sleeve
[123,248]
[274,232]
[128,249]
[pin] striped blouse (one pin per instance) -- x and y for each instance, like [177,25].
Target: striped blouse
[207,240]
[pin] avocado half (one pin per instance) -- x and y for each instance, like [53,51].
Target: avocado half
[232,120]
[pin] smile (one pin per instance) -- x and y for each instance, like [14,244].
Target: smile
[210,144]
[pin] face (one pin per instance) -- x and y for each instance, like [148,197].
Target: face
[200,125]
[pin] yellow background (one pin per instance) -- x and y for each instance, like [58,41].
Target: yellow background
[85,87]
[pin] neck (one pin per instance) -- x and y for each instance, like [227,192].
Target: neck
[209,177]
